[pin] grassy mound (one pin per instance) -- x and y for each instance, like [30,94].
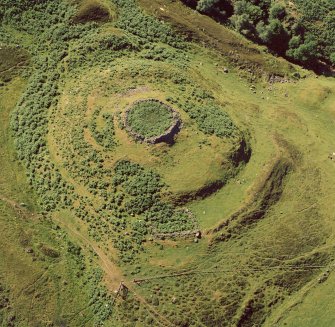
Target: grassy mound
[91,11]
[193,151]
[149,118]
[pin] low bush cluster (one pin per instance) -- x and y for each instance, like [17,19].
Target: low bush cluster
[212,120]
[105,136]
[142,196]
[133,20]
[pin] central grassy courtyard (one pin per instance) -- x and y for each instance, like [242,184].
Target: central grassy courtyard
[152,121]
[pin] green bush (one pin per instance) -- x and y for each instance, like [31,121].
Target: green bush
[104,136]
[277,11]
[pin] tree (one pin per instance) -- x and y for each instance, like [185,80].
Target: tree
[242,24]
[306,53]
[274,35]
[206,6]
[277,11]
[253,12]
[332,58]
[219,9]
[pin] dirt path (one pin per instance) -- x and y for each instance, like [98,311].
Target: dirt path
[19,64]
[17,207]
[12,203]
[113,274]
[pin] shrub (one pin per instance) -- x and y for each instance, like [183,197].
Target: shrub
[206,6]
[332,58]
[277,11]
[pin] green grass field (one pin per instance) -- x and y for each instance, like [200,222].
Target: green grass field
[85,208]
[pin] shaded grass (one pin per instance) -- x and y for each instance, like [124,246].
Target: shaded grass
[92,11]
[12,61]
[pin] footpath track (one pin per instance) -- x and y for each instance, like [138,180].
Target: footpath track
[111,270]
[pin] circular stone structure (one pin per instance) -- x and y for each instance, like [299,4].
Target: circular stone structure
[152,121]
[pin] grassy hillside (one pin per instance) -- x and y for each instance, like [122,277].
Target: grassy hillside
[229,224]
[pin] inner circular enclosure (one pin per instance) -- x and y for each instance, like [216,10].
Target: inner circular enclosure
[152,121]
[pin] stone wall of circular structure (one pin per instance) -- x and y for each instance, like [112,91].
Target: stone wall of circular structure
[167,136]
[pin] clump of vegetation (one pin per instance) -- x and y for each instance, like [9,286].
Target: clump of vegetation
[133,20]
[100,297]
[163,53]
[149,118]
[212,120]
[105,134]
[141,189]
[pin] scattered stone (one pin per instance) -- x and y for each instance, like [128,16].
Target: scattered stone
[198,234]
[323,278]
[225,70]
[196,240]
[174,300]
[29,250]
[11,318]
[332,156]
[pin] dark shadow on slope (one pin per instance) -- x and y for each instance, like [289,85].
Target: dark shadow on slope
[238,157]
